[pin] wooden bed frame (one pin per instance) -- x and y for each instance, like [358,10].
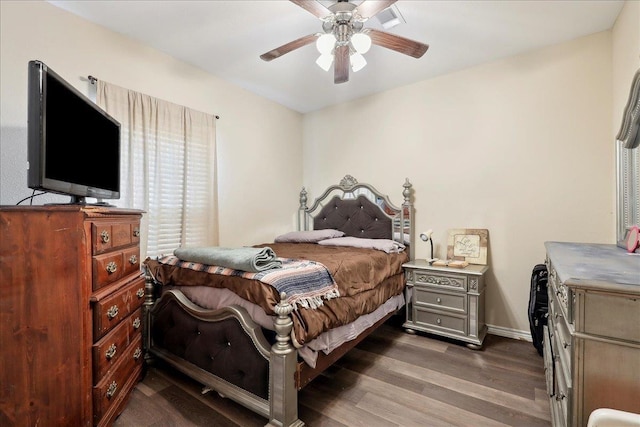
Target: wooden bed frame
[286,374]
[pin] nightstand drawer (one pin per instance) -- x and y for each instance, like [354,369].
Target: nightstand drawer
[448,281]
[440,300]
[444,322]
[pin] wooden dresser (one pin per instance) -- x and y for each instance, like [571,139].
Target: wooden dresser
[592,341]
[70,317]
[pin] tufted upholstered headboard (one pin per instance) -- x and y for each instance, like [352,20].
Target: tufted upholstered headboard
[359,210]
[355,217]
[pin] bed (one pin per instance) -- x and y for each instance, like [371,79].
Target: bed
[242,335]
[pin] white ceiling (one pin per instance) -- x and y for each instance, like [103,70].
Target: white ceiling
[226,38]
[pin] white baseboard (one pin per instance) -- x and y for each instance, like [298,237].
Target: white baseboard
[509,333]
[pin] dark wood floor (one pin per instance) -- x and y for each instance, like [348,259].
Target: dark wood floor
[390,379]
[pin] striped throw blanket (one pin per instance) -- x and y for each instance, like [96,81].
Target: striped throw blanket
[305,283]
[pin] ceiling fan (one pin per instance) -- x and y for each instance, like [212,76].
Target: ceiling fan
[344,38]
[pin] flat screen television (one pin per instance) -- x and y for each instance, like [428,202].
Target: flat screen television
[73,145]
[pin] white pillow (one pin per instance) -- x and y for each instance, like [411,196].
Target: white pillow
[386,245]
[308,236]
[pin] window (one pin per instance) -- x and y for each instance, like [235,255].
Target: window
[168,169]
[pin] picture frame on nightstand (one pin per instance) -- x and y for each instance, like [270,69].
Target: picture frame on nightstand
[468,244]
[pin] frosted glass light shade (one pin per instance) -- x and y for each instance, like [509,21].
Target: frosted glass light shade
[361,42]
[324,61]
[325,43]
[357,62]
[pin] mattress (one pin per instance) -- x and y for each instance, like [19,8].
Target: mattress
[366,279]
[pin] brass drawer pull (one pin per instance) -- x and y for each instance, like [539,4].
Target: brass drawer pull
[136,232]
[133,260]
[111,351]
[137,353]
[104,236]
[112,311]
[136,323]
[439,300]
[112,389]
[438,321]
[140,293]
[112,267]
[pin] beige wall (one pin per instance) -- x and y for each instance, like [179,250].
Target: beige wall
[522,147]
[259,142]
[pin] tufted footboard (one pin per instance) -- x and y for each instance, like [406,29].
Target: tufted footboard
[218,345]
[227,351]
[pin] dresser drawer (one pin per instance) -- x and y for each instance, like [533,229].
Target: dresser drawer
[562,295]
[107,391]
[562,337]
[107,235]
[110,310]
[131,260]
[561,348]
[426,297]
[448,281]
[112,346]
[446,323]
[107,268]
[547,354]
[562,394]
[610,315]
[111,266]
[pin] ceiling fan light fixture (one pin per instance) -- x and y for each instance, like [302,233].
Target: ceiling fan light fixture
[361,42]
[357,62]
[344,39]
[326,43]
[324,61]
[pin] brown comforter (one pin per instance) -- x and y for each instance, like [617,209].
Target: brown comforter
[366,278]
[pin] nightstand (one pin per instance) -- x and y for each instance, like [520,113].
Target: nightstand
[446,301]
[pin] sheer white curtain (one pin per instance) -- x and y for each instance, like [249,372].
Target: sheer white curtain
[168,168]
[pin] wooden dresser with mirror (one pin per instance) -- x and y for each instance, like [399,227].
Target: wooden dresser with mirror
[70,316]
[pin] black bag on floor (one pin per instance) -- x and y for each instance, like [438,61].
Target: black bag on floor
[538,305]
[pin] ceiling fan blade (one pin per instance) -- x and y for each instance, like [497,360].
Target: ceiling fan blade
[369,8]
[314,7]
[341,64]
[288,47]
[397,43]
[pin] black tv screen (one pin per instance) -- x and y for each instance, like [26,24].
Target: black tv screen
[73,145]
